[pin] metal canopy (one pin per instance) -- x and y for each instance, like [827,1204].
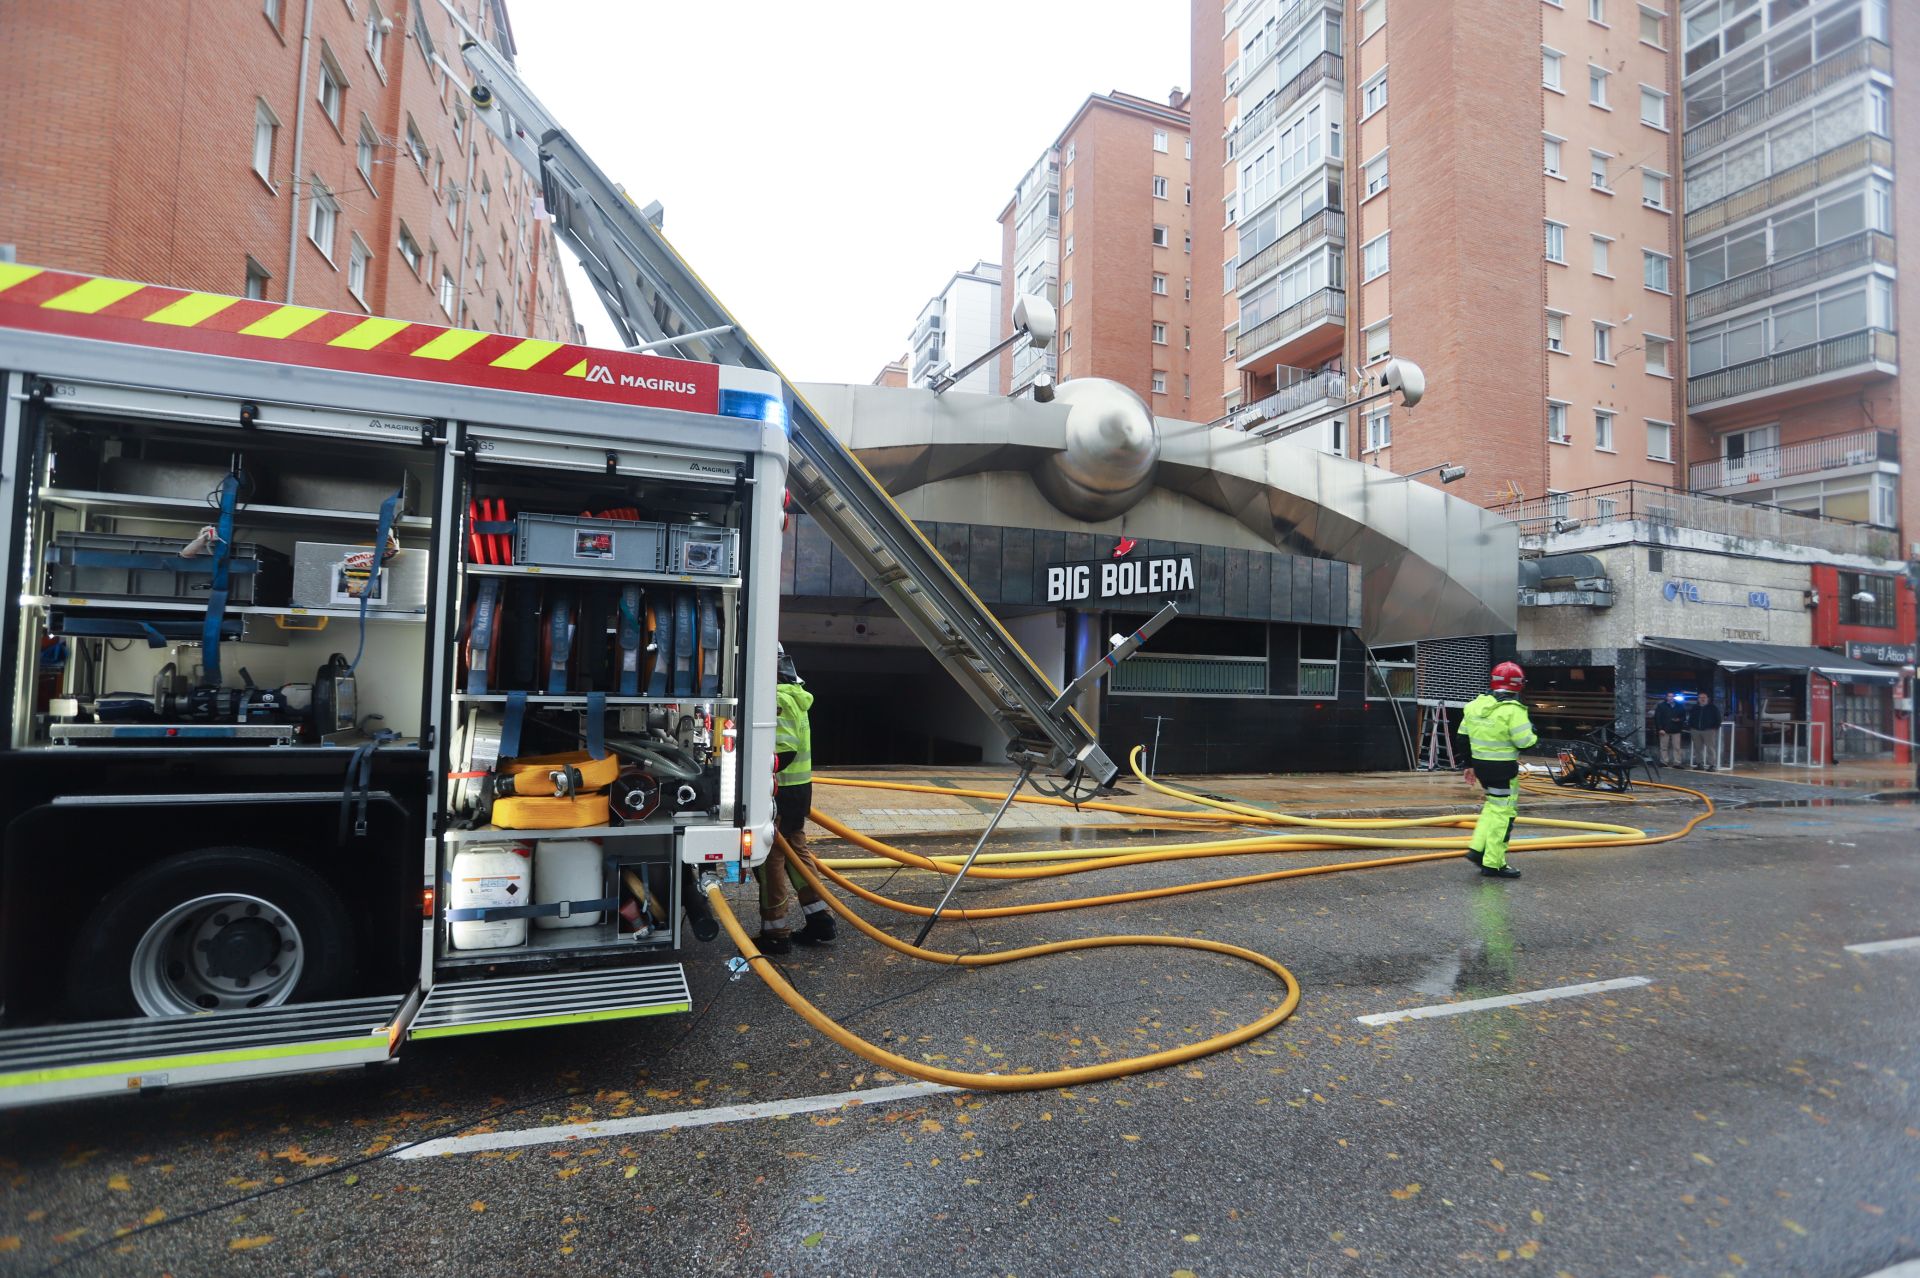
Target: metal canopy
[1775,656]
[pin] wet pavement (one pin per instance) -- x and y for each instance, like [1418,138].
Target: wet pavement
[1749,1110]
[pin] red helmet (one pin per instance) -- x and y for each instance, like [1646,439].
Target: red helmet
[1507,677]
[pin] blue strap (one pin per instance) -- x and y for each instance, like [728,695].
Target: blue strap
[560,642]
[111,628]
[552,909]
[483,635]
[388,509]
[510,723]
[596,725]
[630,636]
[222,578]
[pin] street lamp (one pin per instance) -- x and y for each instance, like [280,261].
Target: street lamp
[1034,320]
[1448,472]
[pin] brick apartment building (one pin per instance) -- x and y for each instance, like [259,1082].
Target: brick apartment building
[1101,226]
[319,152]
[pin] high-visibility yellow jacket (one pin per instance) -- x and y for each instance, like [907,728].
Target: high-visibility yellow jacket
[1497,728]
[793,732]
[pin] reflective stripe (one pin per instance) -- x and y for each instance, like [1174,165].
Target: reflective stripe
[527,354]
[369,333]
[159,1064]
[284,322]
[453,342]
[93,296]
[535,1022]
[192,309]
[12,273]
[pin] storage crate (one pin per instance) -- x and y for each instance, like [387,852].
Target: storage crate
[577,541]
[702,550]
[118,566]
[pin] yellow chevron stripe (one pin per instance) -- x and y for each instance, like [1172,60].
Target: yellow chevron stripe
[527,354]
[93,296]
[284,322]
[192,309]
[12,273]
[578,370]
[369,333]
[451,344]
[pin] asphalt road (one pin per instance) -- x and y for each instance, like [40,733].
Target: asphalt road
[1750,1110]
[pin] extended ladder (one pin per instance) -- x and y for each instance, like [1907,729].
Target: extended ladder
[652,296]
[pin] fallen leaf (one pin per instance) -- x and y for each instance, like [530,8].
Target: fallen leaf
[1539,1217]
[1527,1250]
[353,1178]
[631,1172]
[1497,1164]
[1352,1253]
[1540,1175]
[813,1239]
[1702,1158]
[10,1243]
[1408,1192]
[1190,1237]
[1795,1226]
[1128,1136]
[476,1205]
[119,1183]
[248,1244]
[1185,1273]
[154,1217]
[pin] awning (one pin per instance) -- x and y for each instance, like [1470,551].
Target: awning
[1775,656]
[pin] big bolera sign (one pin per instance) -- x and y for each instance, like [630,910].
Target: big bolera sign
[1100,580]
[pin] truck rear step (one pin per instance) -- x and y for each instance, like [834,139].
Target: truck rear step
[551,998]
[62,1062]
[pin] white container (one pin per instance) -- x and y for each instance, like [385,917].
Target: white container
[489,874]
[568,870]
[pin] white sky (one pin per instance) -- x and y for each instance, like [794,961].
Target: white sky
[827,166]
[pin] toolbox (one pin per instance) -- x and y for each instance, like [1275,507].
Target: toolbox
[94,565]
[578,541]
[321,578]
[702,550]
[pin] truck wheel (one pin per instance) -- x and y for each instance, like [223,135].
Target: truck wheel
[214,930]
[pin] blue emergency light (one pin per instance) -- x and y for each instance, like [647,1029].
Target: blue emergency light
[755,405]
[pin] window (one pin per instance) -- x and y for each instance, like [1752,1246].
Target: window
[1373,16]
[453,205]
[439,170]
[1552,158]
[257,278]
[1159,188]
[1319,661]
[1160,237]
[1606,509]
[1597,86]
[486,193]
[1066,247]
[1557,242]
[1653,27]
[423,38]
[1392,670]
[1602,430]
[365,150]
[1866,599]
[333,85]
[448,290]
[1187,144]
[1068,201]
[416,145]
[1069,158]
[1655,270]
[1189,293]
[1597,169]
[1159,382]
[1653,107]
[1653,189]
[1376,172]
[1373,257]
[1559,504]
[266,131]
[1602,343]
[1597,11]
[1189,193]
[1066,292]
[1550,65]
[1379,342]
[1066,339]
[323,215]
[1160,285]
[1379,429]
[357,256]
[1557,332]
[1879,110]
[1159,334]
[409,249]
[1659,441]
[479,269]
[1186,338]
[1659,356]
[377,28]
[1373,94]
[1602,255]
[1160,141]
[1557,423]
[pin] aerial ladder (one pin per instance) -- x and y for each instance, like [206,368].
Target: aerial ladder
[658,303]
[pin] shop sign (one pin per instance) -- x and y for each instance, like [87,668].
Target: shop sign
[1098,580]
[1883,654]
[1681,592]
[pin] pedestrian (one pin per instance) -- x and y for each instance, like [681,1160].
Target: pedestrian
[1497,728]
[1706,720]
[1670,721]
[792,800]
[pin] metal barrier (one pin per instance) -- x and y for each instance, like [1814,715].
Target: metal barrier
[1711,752]
[1802,742]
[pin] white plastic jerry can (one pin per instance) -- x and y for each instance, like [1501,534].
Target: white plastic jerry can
[568,870]
[490,874]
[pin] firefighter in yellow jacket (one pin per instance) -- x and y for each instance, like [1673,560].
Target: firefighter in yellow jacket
[793,756]
[1497,727]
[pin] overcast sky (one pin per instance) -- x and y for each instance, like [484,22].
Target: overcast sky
[826,167]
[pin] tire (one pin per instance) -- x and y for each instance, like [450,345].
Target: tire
[211,930]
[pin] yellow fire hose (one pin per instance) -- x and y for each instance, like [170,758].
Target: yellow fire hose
[1597,834]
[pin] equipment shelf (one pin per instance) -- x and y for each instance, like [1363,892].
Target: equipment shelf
[601,574]
[490,834]
[249,610]
[192,511]
[579,700]
[597,939]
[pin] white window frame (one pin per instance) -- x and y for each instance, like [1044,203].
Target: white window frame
[486,193]
[1602,342]
[1563,408]
[1066,199]
[366,151]
[1603,256]
[1066,245]
[1379,429]
[1382,329]
[1557,345]
[1373,187]
[1597,12]
[1161,239]
[323,211]
[448,292]
[1159,334]
[1665,180]
[1647,258]
[1159,187]
[333,85]
[1159,284]
[1659,96]
[377,26]
[1666,367]
[1667,455]
[1066,291]
[1555,62]
[1375,86]
[1597,175]
[1069,156]
[1550,228]
[1603,424]
[358,257]
[1553,156]
[1159,382]
[1660,17]
[1597,91]
[265,124]
[1367,266]
[401,240]
[1373,16]
[1160,141]
[416,143]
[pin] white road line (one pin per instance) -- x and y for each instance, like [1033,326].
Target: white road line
[1504,1000]
[569,1132]
[1875,947]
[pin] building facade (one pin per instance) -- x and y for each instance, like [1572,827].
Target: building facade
[956,326]
[1101,226]
[324,155]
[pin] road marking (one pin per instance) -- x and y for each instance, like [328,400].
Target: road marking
[1503,1000]
[1875,947]
[567,1133]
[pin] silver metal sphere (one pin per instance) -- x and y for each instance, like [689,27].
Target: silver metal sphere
[1112,449]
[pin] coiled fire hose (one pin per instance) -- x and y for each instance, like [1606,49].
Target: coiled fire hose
[1578,834]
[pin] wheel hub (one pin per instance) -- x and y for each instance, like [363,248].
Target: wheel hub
[216,953]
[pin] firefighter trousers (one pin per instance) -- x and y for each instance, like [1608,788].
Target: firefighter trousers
[1499,778]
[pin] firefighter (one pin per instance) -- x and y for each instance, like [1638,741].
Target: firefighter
[1497,726]
[792,799]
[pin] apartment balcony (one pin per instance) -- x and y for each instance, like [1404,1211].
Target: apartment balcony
[1858,356]
[1865,249]
[1325,69]
[1310,327]
[1632,511]
[1863,55]
[1830,456]
[1301,392]
[1040,230]
[1329,225]
[1842,161]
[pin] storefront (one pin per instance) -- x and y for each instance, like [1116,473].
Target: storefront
[1785,704]
[1869,617]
